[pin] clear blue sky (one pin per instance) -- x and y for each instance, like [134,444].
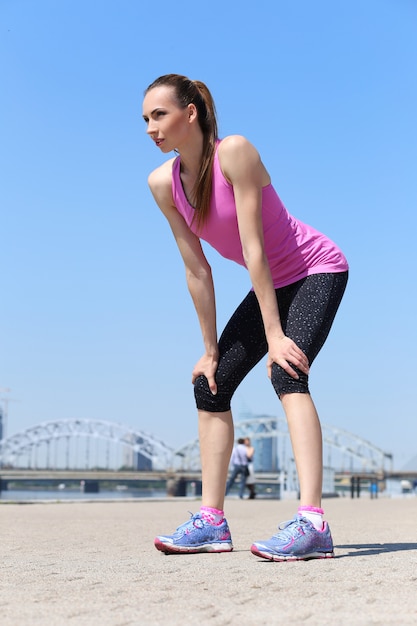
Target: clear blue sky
[95,318]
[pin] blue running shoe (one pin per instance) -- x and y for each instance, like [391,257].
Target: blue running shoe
[196,535]
[298,540]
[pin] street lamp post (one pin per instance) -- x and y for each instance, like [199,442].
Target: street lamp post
[4,414]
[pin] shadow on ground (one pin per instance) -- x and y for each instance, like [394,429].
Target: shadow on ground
[369,549]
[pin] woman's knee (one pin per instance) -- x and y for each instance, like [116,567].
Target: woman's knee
[284,384]
[207,401]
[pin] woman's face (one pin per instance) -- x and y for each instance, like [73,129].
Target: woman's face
[167,123]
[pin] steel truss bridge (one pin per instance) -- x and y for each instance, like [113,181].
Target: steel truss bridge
[37,447]
[342,450]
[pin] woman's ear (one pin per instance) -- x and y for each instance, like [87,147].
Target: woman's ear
[192,112]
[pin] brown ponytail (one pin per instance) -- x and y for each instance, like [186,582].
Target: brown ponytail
[195,92]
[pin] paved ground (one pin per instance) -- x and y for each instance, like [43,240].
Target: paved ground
[93,563]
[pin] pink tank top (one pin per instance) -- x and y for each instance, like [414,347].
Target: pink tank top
[294,249]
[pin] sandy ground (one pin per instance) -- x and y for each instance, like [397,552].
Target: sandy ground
[94,563]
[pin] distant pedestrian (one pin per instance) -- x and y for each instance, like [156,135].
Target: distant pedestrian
[239,463]
[250,478]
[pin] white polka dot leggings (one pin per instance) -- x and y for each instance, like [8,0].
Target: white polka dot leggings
[307,310]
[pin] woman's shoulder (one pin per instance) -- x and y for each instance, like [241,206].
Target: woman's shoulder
[160,183]
[237,146]
[162,175]
[237,156]
[232,143]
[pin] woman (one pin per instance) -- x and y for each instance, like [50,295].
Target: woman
[250,479]
[220,191]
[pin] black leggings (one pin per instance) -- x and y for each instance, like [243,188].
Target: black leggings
[307,309]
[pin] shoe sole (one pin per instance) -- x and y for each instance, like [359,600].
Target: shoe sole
[206,547]
[291,557]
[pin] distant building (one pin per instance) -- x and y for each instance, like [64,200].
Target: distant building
[137,460]
[142,462]
[266,454]
[264,442]
[1,423]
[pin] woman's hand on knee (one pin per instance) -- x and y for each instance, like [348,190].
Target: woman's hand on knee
[285,352]
[207,366]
